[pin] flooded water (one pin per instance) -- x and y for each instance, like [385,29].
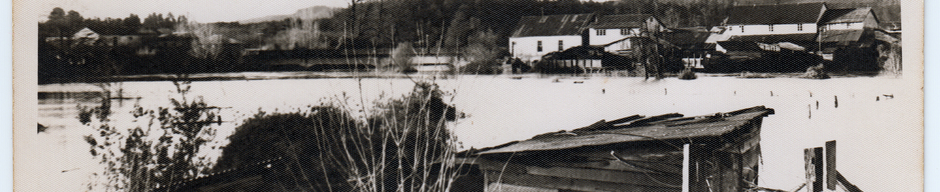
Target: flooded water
[878,140]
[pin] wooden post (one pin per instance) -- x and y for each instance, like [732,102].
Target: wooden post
[685,168]
[812,157]
[831,165]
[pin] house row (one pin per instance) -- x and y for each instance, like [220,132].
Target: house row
[536,36]
[809,28]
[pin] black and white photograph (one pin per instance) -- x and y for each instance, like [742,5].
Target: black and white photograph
[468,95]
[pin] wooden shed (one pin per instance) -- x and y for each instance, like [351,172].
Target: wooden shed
[710,153]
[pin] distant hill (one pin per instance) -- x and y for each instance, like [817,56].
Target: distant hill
[315,12]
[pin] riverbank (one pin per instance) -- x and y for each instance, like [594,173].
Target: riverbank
[370,74]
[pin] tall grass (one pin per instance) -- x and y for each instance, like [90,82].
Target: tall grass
[401,144]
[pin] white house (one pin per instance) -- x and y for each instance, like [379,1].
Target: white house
[536,36]
[615,32]
[782,19]
[772,24]
[844,26]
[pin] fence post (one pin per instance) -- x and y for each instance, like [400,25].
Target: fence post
[831,165]
[812,157]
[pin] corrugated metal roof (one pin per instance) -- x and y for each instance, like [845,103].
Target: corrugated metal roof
[776,14]
[620,21]
[833,16]
[686,37]
[775,38]
[840,35]
[662,127]
[552,25]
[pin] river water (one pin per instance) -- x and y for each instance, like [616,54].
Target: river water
[879,141]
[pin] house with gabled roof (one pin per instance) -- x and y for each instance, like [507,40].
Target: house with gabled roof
[850,38]
[749,26]
[847,26]
[616,32]
[610,28]
[536,36]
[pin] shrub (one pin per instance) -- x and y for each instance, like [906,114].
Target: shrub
[687,74]
[403,144]
[815,72]
[401,58]
[157,154]
[482,54]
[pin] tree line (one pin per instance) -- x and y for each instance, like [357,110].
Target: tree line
[61,24]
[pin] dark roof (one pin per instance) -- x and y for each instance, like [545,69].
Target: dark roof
[846,15]
[552,25]
[776,14]
[639,129]
[775,38]
[840,35]
[578,52]
[620,21]
[686,37]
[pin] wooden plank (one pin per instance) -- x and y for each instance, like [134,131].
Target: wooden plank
[699,169]
[626,177]
[616,165]
[685,168]
[504,187]
[570,183]
[730,170]
[848,185]
[634,178]
[813,165]
[831,180]
[660,159]
[661,152]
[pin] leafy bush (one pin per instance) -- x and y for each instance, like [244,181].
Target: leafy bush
[157,154]
[483,54]
[401,58]
[403,144]
[687,74]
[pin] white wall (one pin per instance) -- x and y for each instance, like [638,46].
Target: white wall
[526,47]
[611,36]
[869,22]
[843,26]
[778,29]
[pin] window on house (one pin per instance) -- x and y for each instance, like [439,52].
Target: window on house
[539,47]
[799,27]
[601,32]
[847,25]
[742,28]
[624,31]
[561,45]
[770,27]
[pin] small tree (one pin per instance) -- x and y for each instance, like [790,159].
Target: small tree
[482,53]
[401,58]
[402,145]
[161,151]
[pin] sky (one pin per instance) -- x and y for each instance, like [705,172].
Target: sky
[195,10]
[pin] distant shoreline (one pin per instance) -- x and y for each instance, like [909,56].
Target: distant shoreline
[372,74]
